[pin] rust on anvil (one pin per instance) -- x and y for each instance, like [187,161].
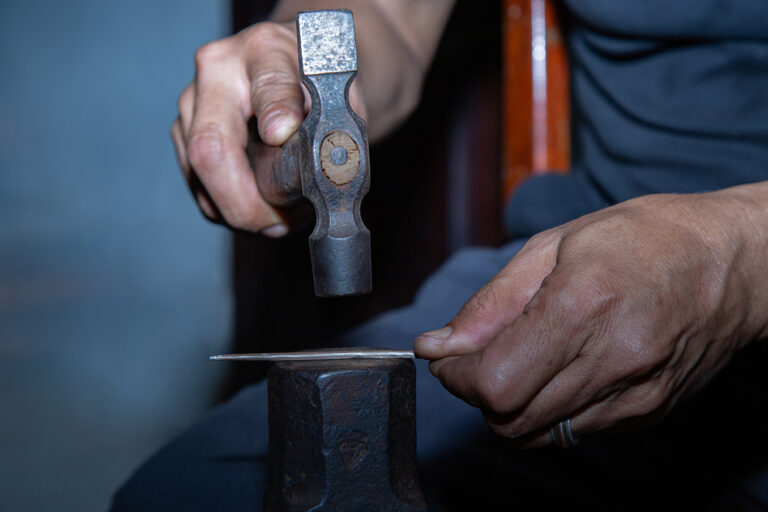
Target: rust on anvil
[342,436]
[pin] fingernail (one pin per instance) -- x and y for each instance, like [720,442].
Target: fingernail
[439,334]
[275,230]
[278,127]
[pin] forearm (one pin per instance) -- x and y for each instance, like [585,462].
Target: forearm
[396,41]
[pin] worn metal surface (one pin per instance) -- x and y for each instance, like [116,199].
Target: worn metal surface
[342,436]
[326,42]
[319,355]
[340,244]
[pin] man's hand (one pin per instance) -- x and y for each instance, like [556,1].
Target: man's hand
[251,74]
[611,319]
[254,75]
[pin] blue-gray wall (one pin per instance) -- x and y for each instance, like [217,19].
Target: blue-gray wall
[113,290]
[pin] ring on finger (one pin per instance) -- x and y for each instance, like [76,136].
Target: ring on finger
[562,434]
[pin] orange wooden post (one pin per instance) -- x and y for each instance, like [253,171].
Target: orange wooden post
[536,103]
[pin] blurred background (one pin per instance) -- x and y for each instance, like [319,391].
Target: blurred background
[114,289]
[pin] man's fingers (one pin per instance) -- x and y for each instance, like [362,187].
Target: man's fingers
[637,406]
[492,384]
[252,74]
[180,145]
[525,357]
[543,436]
[220,162]
[495,305]
[204,201]
[507,374]
[461,376]
[218,137]
[566,392]
[186,105]
[275,88]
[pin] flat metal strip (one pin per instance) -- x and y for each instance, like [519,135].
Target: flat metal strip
[319,355]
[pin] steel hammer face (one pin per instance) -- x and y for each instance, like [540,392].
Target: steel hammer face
[333,157]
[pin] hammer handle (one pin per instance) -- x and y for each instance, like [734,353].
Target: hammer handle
[278,175]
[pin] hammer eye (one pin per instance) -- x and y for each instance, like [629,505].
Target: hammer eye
[339,157]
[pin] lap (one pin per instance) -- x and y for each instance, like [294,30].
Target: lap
[220,463]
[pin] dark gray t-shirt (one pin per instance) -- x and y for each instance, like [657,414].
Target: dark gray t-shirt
[667,96]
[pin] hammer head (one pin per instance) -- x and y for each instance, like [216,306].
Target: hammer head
[326,42]
[335,172]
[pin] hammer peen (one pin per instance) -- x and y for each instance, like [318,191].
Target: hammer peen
[326,161]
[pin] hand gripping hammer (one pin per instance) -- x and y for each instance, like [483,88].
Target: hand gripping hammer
[327,160]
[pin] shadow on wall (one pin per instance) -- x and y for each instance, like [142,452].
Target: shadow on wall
[113,290]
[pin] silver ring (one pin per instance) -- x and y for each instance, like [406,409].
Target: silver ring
[562,435]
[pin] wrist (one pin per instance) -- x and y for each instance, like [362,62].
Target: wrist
[742,213]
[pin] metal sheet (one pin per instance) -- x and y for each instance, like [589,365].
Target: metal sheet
[319,355]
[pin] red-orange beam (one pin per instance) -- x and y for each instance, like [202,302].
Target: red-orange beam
[535,93]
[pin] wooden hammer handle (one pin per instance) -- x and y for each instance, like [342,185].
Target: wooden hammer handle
[278,175]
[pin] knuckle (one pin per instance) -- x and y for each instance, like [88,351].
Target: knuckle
[642,357]
[261,33]
[545,238]
[206,149]
[265,33]
[211,52]
[587,299]
[490,392]
[652,400]
[574,301]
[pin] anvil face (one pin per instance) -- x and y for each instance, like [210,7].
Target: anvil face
[342,436]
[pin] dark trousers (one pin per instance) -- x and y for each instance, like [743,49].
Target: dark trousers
[709,454]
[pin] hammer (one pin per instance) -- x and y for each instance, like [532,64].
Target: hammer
[327,160]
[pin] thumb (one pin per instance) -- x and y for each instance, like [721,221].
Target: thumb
[271,62]
[495,305]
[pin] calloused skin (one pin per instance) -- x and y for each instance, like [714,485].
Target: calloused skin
[609,320]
